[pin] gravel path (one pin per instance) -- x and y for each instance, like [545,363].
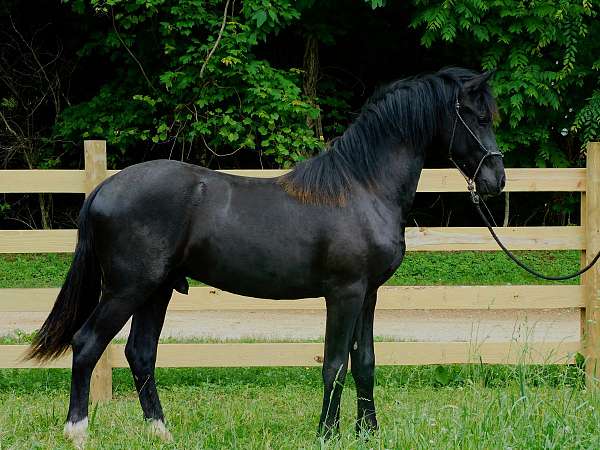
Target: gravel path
[540,325]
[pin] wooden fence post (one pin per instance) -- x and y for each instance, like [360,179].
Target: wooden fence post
[583,262]
[95,173]
[592,278]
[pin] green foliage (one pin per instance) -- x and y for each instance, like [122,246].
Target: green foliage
[587,120]
[442,376]
[376,3]
[545,53]
[4,208]
[183,85]
[109,115]
[196,90]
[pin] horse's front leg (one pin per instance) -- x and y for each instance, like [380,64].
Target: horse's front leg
[343,308]
[363,365]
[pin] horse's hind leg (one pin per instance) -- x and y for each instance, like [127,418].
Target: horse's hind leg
[112,312]
[141,353]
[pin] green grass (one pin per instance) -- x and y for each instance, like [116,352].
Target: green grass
[479,407]
[33,270]
[456,407]
[418,268]
[21,337]
[482,268]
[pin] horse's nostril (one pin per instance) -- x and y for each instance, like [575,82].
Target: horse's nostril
[502,181]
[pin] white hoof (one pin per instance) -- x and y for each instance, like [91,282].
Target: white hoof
[158,428]
[76,432]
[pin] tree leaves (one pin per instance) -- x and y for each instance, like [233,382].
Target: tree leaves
[261,17]
[376,3]
[242,102]
[544,52]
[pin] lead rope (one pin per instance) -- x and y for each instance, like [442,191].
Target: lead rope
[476,202]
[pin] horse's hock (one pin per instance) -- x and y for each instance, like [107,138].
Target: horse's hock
[543,301]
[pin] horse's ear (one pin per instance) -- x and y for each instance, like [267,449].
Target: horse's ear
[478,81]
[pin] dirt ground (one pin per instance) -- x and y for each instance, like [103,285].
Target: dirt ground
[475,326]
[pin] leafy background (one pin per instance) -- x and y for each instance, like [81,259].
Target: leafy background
[266,83]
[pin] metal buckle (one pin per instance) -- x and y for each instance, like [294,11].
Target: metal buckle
[473,192]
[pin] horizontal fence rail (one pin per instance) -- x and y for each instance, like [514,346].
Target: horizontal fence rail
[311,354]
[586,296]
[417,239]
[432,180]
[389,298]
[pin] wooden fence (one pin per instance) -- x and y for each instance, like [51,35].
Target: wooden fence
[585,237]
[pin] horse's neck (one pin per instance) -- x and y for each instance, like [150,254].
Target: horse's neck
[401,170]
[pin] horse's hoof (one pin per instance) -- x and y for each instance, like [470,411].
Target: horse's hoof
[76,432]
[326,433]
[366,427]
[158,428]
[367,424]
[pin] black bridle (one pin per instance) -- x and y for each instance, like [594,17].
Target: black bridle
[476,199]
[486,152]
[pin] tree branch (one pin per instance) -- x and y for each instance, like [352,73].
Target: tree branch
[42,69]
[218,154]
[13,132]
[217,41]
[112,13]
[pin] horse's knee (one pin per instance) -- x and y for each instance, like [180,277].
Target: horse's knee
[84,354]
[77,343]
[363,369]
[334,371]
[130,353]
[140,360]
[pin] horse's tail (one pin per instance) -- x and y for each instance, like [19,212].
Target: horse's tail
[77,298]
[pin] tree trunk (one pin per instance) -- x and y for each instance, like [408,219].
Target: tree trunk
[311,77]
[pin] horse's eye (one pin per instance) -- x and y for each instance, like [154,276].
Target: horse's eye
[483,120]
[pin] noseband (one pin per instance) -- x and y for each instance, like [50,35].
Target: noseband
[487,153]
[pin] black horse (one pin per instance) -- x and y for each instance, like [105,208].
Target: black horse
[333,227]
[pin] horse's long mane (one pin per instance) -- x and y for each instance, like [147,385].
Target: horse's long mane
[407,112]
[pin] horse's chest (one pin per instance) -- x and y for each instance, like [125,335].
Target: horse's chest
[387,253]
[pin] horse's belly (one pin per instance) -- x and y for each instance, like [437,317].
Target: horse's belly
[268,291]
[242,283]
[257,272]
